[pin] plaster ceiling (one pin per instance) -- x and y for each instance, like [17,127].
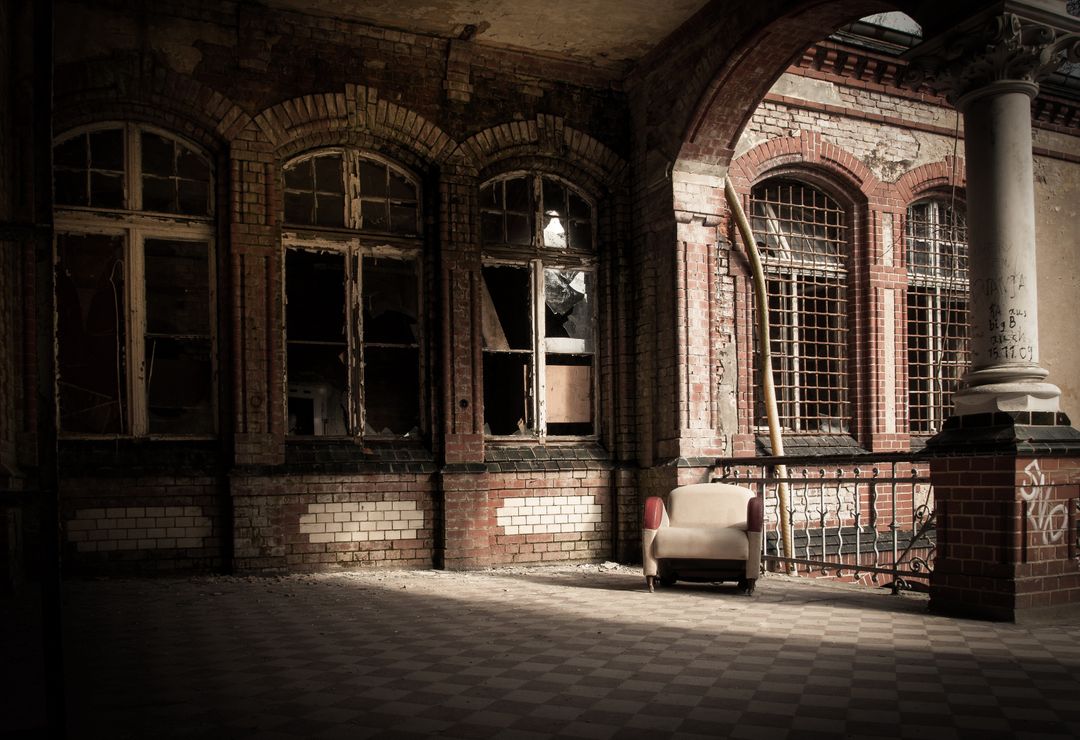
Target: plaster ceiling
[612,31]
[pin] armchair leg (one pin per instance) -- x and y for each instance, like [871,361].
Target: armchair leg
[650,581]
[748,585]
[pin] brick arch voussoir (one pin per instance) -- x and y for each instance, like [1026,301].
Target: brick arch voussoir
[810,149]
[139,88]
[546,136]
[946,173]
[349,115]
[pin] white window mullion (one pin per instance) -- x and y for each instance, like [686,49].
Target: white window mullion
[539,349]
[136,344]
[354,321]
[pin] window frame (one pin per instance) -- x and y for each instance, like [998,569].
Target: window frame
[135,227]
[792,272]
[537,259]
[943,288]
[354,245]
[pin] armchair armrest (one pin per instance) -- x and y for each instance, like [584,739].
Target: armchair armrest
[755,515]
[654,513]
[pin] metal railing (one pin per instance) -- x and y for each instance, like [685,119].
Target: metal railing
[867,517]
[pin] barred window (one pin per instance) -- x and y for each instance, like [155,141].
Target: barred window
[802,235]
[353,323]
[135,282]
[937,310]
[538,310]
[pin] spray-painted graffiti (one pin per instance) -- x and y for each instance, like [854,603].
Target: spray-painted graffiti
[1044,515]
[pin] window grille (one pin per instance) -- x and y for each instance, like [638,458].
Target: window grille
[937,311]
[802,236]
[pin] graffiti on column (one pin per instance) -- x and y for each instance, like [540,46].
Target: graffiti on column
[1008,340]
[1044,516]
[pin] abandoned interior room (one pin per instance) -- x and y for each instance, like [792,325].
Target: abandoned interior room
[294,287]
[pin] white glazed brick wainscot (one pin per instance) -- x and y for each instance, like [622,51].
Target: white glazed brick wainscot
[548,514]
[139,528]
[361,521]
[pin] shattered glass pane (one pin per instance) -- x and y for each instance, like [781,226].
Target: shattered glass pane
[491,228]
[299,208]
[506,308]
[390,301]
[315,296]
[373,213]
[391,390]
[91,363]
[508,394]
[106,190]
[568,314]
[401,188]
[178,382]
[318,390]
[330,210]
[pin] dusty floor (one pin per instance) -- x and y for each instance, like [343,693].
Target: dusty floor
[580,651]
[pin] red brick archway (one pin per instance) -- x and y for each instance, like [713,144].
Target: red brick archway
[740,79]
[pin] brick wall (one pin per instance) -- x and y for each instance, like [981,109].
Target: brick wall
[313,521]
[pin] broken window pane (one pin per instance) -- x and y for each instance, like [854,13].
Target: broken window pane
[315,296]
[318,396]
[159,194]
[568,313]
[506,308]
[403,218]
[519,230]
[70,188]
[391,390]
[299,208]
[390,301]
[178,361]
[508,393]
[316,343]
[300,176]
[178,381]
[91,361]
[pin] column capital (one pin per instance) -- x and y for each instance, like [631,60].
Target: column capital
[1020,42]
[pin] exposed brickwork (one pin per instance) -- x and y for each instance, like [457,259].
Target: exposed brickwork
[1006,538]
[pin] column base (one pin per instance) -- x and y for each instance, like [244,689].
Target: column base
[1016,432]
[1007,388]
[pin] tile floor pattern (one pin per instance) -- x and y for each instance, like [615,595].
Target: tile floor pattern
[567,652]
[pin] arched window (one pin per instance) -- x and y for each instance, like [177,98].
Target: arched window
[353,319]
[135,283]
[802,234]
[538,308]
[937,310]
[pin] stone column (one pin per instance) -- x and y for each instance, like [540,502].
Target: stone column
[989,68]
[1005,545]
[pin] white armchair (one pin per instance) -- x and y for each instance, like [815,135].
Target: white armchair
[705,532]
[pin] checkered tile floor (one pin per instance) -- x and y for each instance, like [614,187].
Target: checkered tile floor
[568,652]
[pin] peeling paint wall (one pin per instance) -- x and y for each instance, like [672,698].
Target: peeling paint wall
[1057,231]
